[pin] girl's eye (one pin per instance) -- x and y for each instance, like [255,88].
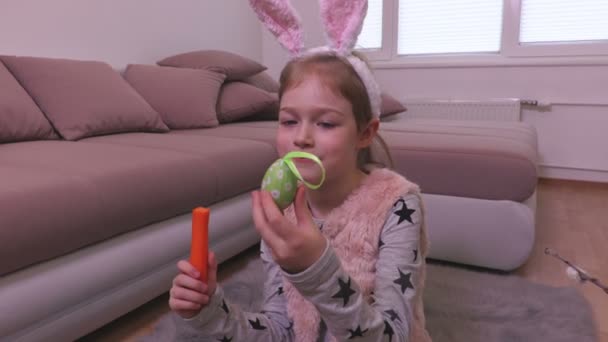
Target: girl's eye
[288,122]
[327,125]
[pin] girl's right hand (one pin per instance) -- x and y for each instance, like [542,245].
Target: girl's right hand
[189,295]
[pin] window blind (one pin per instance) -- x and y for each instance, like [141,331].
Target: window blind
[449,26]
[371,33]
[563,21]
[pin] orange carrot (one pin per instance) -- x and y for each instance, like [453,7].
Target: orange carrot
[199,248]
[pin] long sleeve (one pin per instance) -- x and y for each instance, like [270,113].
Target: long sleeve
[224,322]
[338,298]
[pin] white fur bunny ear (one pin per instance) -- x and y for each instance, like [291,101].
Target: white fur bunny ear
[343,21]
[282,20]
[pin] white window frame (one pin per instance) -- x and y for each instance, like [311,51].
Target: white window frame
[512,52]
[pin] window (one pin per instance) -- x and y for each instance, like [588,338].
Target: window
[563,21]
[396,29]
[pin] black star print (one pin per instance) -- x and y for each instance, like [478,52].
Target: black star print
[345,291]
[393,314]
[356,333]
[380,244]
[256,324]
[225,307]
[388,330]
[404,281]
[415,255]
[225,339]
[404,213]
[278,292]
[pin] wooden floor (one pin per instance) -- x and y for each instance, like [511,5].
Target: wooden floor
[572,218]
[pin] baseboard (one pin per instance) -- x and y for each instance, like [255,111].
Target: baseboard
[569,173]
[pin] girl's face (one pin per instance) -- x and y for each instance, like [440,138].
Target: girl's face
[314,119]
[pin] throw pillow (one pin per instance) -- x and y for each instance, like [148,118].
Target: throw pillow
[185,98]
[20,118]
[264,81]
[239,100]
[84,98]
[235,67]
[390,105]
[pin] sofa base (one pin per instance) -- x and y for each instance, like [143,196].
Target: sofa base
[485,233]
[68,297]
[73,295]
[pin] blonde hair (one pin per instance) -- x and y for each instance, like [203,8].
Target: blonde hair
[337,74]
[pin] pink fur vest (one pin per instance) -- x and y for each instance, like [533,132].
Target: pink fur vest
[353,230]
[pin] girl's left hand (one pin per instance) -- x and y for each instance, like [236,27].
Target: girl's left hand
[295,247]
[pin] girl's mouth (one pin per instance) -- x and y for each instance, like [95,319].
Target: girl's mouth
[303,161]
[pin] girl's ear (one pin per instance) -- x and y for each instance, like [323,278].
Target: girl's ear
[343,21]
[281,19]
[366,137]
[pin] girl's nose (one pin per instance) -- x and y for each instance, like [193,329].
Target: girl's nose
[303,137]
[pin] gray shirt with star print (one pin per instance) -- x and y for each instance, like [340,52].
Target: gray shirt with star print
[344,312]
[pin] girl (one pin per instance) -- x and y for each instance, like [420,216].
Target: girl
[346,261]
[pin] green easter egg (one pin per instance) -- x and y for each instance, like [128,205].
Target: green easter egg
[281,183]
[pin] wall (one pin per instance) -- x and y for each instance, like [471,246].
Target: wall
[573,133]
[126,31]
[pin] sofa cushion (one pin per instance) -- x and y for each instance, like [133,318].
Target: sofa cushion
[83,98]
[238,163]
[264,131]
[20,118]
[234,66]
[238,100]
[485,160]
[59,196]
[104,190]
[42,212]
[185,98]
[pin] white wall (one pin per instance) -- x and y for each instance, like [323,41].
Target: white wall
[573,136]
[126,31]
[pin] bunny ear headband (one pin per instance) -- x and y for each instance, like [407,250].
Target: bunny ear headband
[342,20]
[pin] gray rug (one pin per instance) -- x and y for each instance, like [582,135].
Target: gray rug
[460,304]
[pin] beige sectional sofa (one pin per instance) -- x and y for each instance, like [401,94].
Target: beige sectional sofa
[91,228]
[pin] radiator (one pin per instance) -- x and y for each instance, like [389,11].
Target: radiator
[494,109]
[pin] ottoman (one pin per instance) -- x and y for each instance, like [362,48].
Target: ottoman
[478,180]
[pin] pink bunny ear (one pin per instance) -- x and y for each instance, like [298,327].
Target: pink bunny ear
[343,20]
[282,20]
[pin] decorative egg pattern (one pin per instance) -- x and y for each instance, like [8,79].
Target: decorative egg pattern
[281,183]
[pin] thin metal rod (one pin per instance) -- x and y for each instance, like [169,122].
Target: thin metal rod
[581,273]
[536,103]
